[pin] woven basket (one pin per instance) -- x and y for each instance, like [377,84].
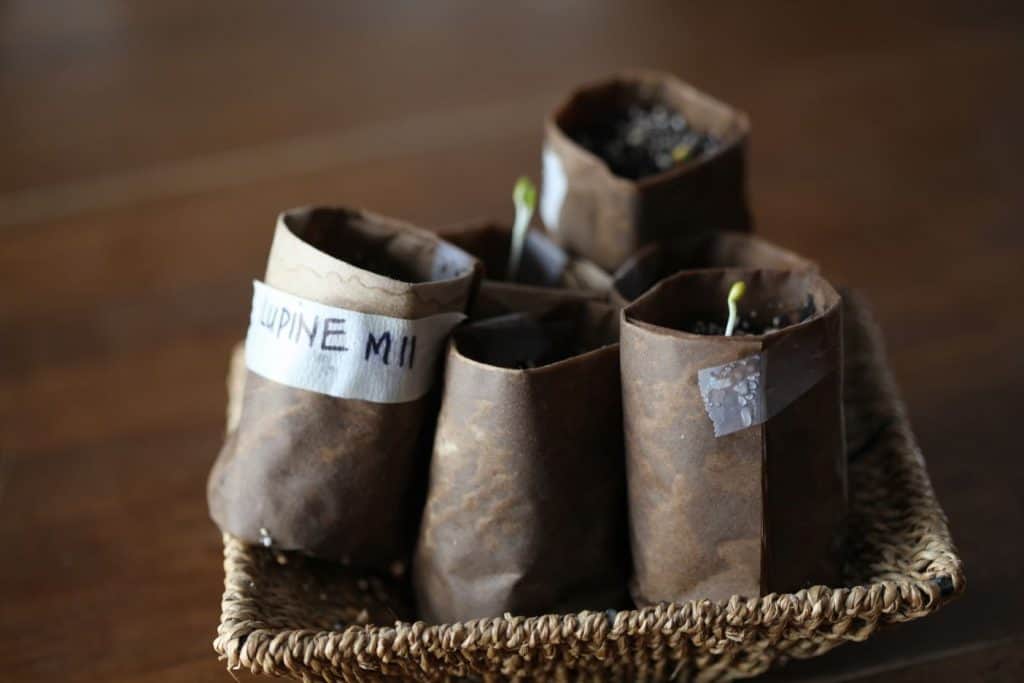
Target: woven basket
[286,615]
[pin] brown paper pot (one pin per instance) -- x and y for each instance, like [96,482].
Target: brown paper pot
[548,276]
[725,249]
[526,506]
[606,217]
[758,510]
[335,477]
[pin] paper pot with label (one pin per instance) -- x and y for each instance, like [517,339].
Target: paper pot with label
[706,249]
[345,341]
[526,505]
[639,157]
[734,444]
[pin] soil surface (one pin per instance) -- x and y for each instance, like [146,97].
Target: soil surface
[642,140]
[751,324]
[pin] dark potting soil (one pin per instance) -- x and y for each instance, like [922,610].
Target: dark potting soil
[751,324]
[642,140]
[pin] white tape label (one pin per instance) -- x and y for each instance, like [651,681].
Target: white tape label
[346,354]
[554,187]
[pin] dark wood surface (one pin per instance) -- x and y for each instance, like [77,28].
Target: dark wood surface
[145,149]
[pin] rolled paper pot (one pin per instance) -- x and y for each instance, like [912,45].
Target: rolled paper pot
[734,445]
[337,477]
[548,275]
[606,217]
[526,505]
[711,249]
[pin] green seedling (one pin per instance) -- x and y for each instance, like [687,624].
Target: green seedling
[524,196]
[735,294]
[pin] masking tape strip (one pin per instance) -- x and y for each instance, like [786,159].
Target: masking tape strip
[753,389]
[342,353]
[553,189]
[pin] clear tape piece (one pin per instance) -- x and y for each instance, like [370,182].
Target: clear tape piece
[346,354]
[751,390]
[733,394]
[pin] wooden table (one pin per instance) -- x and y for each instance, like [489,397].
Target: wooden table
[145,149]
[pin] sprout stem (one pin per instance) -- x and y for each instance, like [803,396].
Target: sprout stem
[735,294]
[524,196]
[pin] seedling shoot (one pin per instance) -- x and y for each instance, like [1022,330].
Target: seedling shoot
[524,196]
[735,294]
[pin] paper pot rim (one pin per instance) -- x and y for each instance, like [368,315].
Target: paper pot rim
[703,237]
[470,265]
[739,132]
[833,301]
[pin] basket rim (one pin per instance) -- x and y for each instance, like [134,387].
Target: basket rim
[939,590]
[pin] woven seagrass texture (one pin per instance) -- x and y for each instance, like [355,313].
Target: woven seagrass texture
[286,615]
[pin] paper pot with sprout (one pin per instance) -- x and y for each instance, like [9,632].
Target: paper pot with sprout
[524,270]
[345,343]
[526,504]
[639,157]
[732,404]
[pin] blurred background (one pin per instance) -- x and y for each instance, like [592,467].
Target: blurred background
[146,148]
